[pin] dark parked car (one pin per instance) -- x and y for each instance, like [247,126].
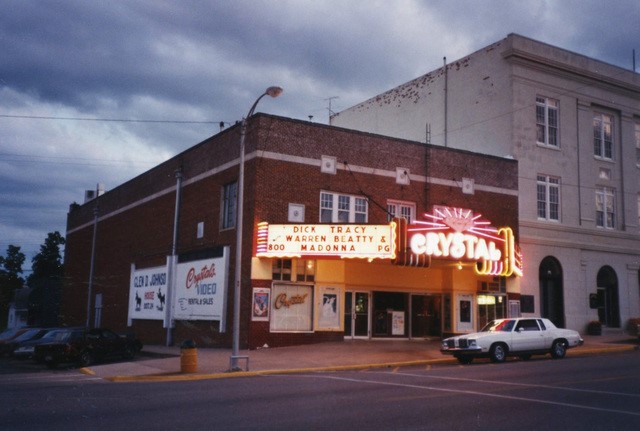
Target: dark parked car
[9,346]
[84,347]
[25,349]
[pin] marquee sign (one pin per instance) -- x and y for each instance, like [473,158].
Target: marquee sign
[448,233]
[326,240]
[458,234]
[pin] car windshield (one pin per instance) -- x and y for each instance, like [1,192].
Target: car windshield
[27,335]
[499,326]
[58,335]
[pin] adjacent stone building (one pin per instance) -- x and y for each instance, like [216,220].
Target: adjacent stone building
[573,124]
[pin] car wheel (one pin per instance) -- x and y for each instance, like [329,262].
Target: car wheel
[86,358]
[498,353]
[558,349]
[464,359]
[525,357]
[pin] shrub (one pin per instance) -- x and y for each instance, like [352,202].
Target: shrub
[594,328]
[633,326]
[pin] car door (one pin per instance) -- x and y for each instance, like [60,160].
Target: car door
[547,335]
[108,343]
[527,336]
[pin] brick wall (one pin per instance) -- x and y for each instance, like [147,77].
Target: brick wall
[136,218]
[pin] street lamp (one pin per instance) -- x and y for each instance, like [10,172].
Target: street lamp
[233,363]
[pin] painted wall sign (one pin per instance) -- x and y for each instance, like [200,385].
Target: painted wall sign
[458,234]
[200,289]
[147,293]
[292,308]
[330,240]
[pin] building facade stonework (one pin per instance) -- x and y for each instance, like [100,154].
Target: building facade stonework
[573,124]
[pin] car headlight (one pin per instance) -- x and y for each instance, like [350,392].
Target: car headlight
[472,343]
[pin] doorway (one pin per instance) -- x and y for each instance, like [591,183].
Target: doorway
[551,291]
[607,289]
[464,320]
[356,314]
[426,312]
[390,314]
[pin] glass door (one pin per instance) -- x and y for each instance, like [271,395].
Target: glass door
[426,318]
[491,307]
[356,315]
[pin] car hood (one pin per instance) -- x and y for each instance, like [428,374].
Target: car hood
[480,335]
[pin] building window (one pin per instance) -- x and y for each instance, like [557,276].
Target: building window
[229,205]
[405,210]
[283,270]
[548,198]
[603,136]
[547,121]
[306,270]
[637,135]
[605,208]
[335,208]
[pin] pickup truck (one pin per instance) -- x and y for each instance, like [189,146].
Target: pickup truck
[84,347]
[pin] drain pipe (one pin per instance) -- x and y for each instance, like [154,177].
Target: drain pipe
[446,89]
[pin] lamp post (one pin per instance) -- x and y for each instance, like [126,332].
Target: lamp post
[92,263]
[233,363]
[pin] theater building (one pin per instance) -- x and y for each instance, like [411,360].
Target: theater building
[573,124]
[346,234]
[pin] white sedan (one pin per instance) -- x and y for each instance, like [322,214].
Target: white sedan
[520,337]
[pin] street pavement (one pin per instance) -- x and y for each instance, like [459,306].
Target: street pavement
[162,363]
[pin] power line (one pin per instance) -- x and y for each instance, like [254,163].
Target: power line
[114,120]
[33,158]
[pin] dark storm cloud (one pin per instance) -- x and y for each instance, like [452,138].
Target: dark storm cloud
[207,61]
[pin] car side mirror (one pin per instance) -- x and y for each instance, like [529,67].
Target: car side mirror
[520,329]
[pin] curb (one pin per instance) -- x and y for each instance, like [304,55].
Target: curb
[178,376]
[212,376]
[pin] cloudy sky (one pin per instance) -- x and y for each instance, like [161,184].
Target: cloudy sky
[101,91]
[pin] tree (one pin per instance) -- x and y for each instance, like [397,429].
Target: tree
[10,279]
[46,281]
[48,262]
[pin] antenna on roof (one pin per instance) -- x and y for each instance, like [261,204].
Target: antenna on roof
[330,99]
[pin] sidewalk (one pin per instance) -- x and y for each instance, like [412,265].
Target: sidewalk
[161,363]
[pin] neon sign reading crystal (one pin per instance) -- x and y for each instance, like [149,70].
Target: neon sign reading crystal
[454,233]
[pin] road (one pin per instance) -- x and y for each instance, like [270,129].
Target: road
[580,393]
